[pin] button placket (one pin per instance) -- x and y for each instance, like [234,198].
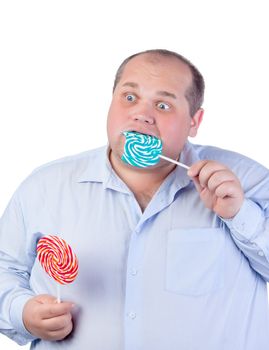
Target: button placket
[133,285]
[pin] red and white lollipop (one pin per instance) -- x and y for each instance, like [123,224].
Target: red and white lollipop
[58,260]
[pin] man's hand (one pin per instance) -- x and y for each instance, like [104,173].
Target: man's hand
[46,319]
[218,186]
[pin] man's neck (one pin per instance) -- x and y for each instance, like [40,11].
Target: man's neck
[142,182]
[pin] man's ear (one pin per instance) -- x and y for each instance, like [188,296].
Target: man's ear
[196,120]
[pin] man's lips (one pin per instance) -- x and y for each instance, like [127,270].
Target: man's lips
[142,131]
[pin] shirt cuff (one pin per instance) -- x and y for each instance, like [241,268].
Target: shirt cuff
[16,310]
[244,225]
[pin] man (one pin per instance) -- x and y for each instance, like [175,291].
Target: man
[169,259]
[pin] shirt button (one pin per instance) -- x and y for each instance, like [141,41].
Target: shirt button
[132,315]
[134,272]
[260,253]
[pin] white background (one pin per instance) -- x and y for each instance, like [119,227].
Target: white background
[58,60]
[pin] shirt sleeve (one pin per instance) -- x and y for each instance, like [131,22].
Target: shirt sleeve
[15,269]
[250,227]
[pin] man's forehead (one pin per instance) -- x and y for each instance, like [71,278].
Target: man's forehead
[148,65]
[159,63]
[163,93]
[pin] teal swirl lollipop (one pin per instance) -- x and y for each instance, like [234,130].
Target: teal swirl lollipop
[142,151]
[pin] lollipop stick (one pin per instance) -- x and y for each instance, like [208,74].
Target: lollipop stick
[175,162]
[58,293]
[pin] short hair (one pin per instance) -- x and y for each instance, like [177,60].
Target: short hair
[194,94]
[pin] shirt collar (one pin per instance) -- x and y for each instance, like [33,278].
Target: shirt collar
[189,155]
[179,178]
[95,169]
[99,169]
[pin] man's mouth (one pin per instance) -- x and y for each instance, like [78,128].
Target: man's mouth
[143,132]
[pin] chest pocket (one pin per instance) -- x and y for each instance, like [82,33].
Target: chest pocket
[195,261]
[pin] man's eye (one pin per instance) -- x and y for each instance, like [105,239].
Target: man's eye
[163,106]
[130,97]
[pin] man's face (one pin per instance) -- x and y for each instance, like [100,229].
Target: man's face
[150,98]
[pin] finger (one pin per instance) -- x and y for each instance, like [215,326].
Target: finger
[60,334]
[66,331]
[203,170]
[227,189]
[197,185]
[55,309]
[207,172]
[57,323]
[219,177]
[196,168]
[207,197]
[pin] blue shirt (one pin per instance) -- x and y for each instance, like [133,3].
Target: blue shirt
[174,277]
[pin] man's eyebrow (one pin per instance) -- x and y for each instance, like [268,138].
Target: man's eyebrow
[131,84]
[166,94]
[160,93]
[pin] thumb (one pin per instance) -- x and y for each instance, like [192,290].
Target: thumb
[45,299]
[197,184]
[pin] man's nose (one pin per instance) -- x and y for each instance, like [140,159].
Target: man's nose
[144,118]
[144,112]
